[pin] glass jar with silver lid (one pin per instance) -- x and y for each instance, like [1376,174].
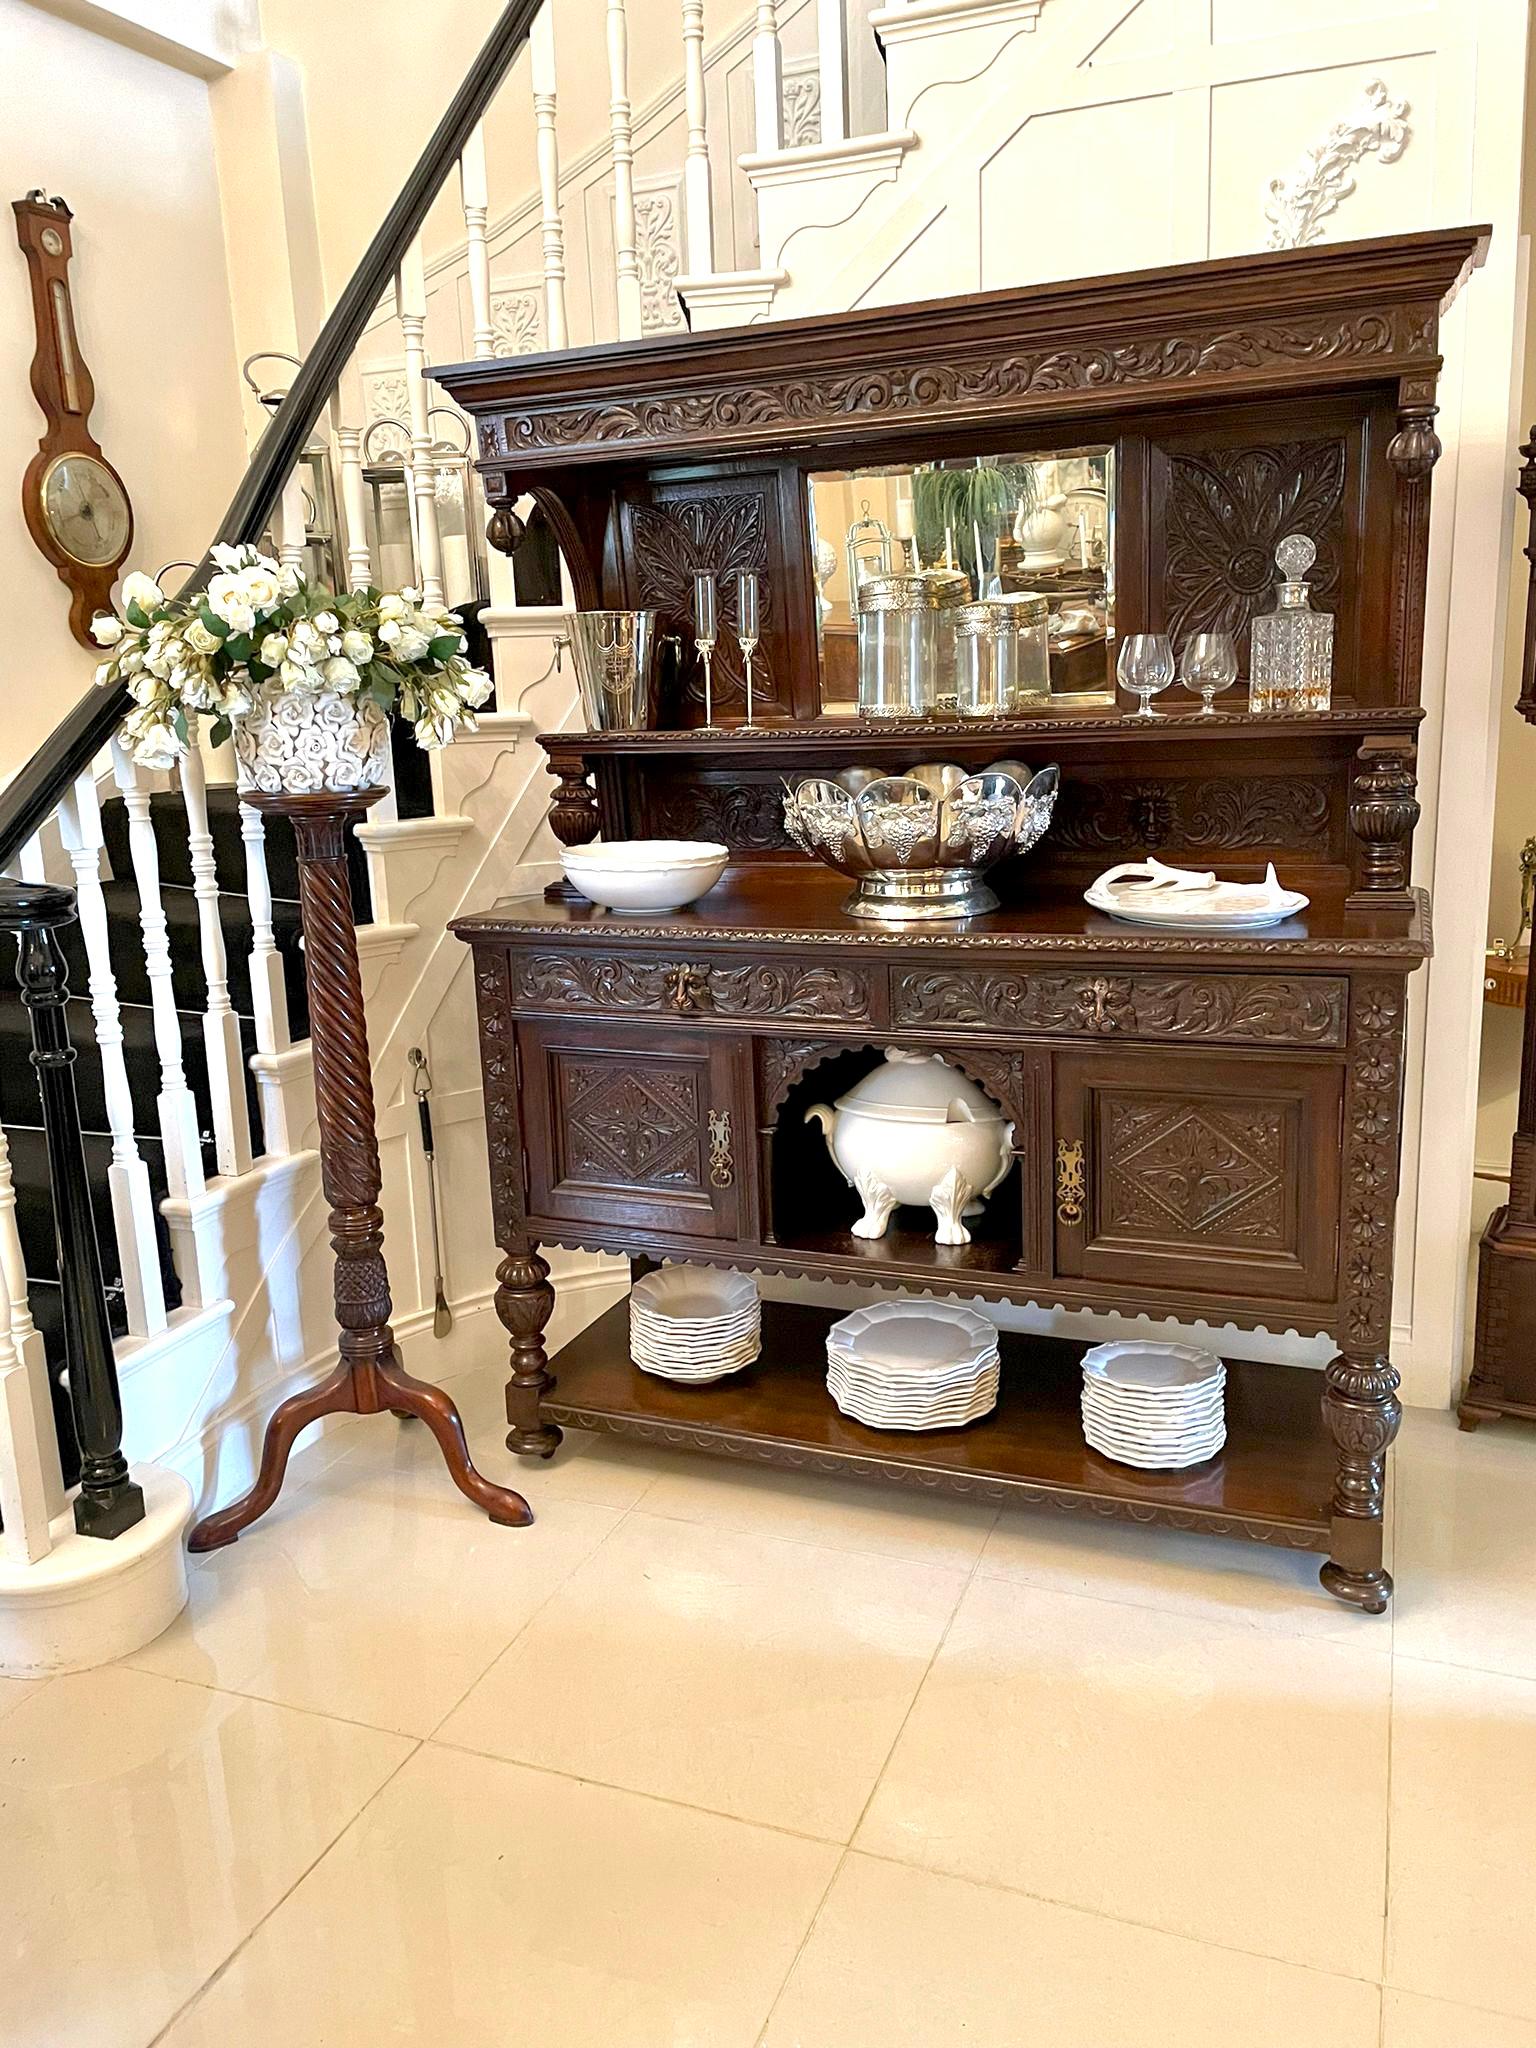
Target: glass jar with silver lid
[898,646]
[1002,655]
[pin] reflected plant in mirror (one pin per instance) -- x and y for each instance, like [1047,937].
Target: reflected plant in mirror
[977,528]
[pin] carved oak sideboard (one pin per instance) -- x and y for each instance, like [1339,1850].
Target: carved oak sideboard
[1204,1128]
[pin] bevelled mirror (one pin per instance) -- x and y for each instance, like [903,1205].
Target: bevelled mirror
[1004,526]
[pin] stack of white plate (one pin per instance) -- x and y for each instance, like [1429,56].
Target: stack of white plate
[913,1365]
[690,1323]
[1159,1406]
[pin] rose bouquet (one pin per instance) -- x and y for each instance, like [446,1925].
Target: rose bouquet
[260,631]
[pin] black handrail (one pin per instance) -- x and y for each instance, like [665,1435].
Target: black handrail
[34,793]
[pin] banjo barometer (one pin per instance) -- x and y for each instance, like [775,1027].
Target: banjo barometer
[75,503]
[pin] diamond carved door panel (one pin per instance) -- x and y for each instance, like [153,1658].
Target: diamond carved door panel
[641,1134]
[1199,1175]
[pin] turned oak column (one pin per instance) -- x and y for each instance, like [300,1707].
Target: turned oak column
[369,1377]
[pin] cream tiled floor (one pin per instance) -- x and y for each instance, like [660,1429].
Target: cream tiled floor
[727,1759]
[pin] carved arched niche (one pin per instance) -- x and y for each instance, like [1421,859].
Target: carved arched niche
[808,1200]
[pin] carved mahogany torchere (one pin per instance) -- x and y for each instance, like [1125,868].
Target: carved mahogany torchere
[1207,1127]
[1503,1377]
[369,1378]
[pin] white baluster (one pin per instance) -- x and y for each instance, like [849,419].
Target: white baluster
[354,506]
[411,305]
[767,79]
[542,63]
[475,193]
[133,1206]
[269,991]
[27,1337]
[292,526]
[177,1106]
[24,1504]
[698,224]
[621,130]
[832,64]
[221,1027]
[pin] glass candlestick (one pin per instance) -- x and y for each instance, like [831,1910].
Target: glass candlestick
[706,623]
[1209,664]
[1145,667]
[747,631]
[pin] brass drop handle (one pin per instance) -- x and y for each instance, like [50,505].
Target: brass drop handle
[1071,1183]
[722,1161]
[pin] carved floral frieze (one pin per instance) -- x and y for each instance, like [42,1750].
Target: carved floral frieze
[1242,1009]
[588,981]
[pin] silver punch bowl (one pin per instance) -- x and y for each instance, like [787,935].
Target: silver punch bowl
[919,845]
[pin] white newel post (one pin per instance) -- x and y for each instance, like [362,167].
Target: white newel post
[133,1206]
[27,1340]
[474,193]
[221,1027]
[542,63]
[411,305]
[177,1105]
[291,523]
[698,222]
[621,130]
[354,506]
[832,65]
[767,79]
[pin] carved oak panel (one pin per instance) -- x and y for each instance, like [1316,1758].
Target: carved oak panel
[1197,814]
[621,1131]
[619,983]
[1227,510]
[1195,1163]
[1239,1009]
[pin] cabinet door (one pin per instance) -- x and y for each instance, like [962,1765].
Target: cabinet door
[635,1126]
[1200,1174]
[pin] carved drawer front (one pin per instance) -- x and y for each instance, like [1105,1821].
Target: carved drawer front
[644,1128]
[677,986]
[1198,1174]
[1237,1009]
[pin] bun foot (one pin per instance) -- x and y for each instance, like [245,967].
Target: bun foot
[1370,1591]
[542,1442]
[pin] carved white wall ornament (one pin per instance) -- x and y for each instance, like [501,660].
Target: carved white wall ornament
[1323,176]
[660,259]
[386,396]
[517,320]
[802,104]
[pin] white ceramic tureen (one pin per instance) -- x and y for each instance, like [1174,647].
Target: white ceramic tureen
[917,1131]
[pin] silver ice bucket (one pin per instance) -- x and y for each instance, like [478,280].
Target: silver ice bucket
[615,654]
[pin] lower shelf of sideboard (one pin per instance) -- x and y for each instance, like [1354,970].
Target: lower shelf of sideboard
[1271,1483]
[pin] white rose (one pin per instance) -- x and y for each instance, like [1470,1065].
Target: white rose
[288,580]
[297,675]
[223,591]
[240,618]
[144,689]
[475,687]
[130,661]
[356,646]
[200,640]
[155,745]
[226,557]
[273,651]
[327,622]
[412,644]
[260,588]
[235,702]
[340,673]
[143,591]
[392,607]
[106,629]
[411,595]
[390,632]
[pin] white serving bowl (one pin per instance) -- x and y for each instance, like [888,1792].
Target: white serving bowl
[645,874]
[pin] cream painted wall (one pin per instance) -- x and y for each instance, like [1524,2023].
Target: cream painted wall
[128,142]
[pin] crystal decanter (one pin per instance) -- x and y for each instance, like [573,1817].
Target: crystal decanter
[1291,667]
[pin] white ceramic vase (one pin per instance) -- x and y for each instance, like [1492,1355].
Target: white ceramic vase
[303,742]
[917,1131]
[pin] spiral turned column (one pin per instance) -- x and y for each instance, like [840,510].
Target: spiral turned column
[369,1377]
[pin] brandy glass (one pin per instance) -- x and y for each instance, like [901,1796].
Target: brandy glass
[1209,664]
[1145,667]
